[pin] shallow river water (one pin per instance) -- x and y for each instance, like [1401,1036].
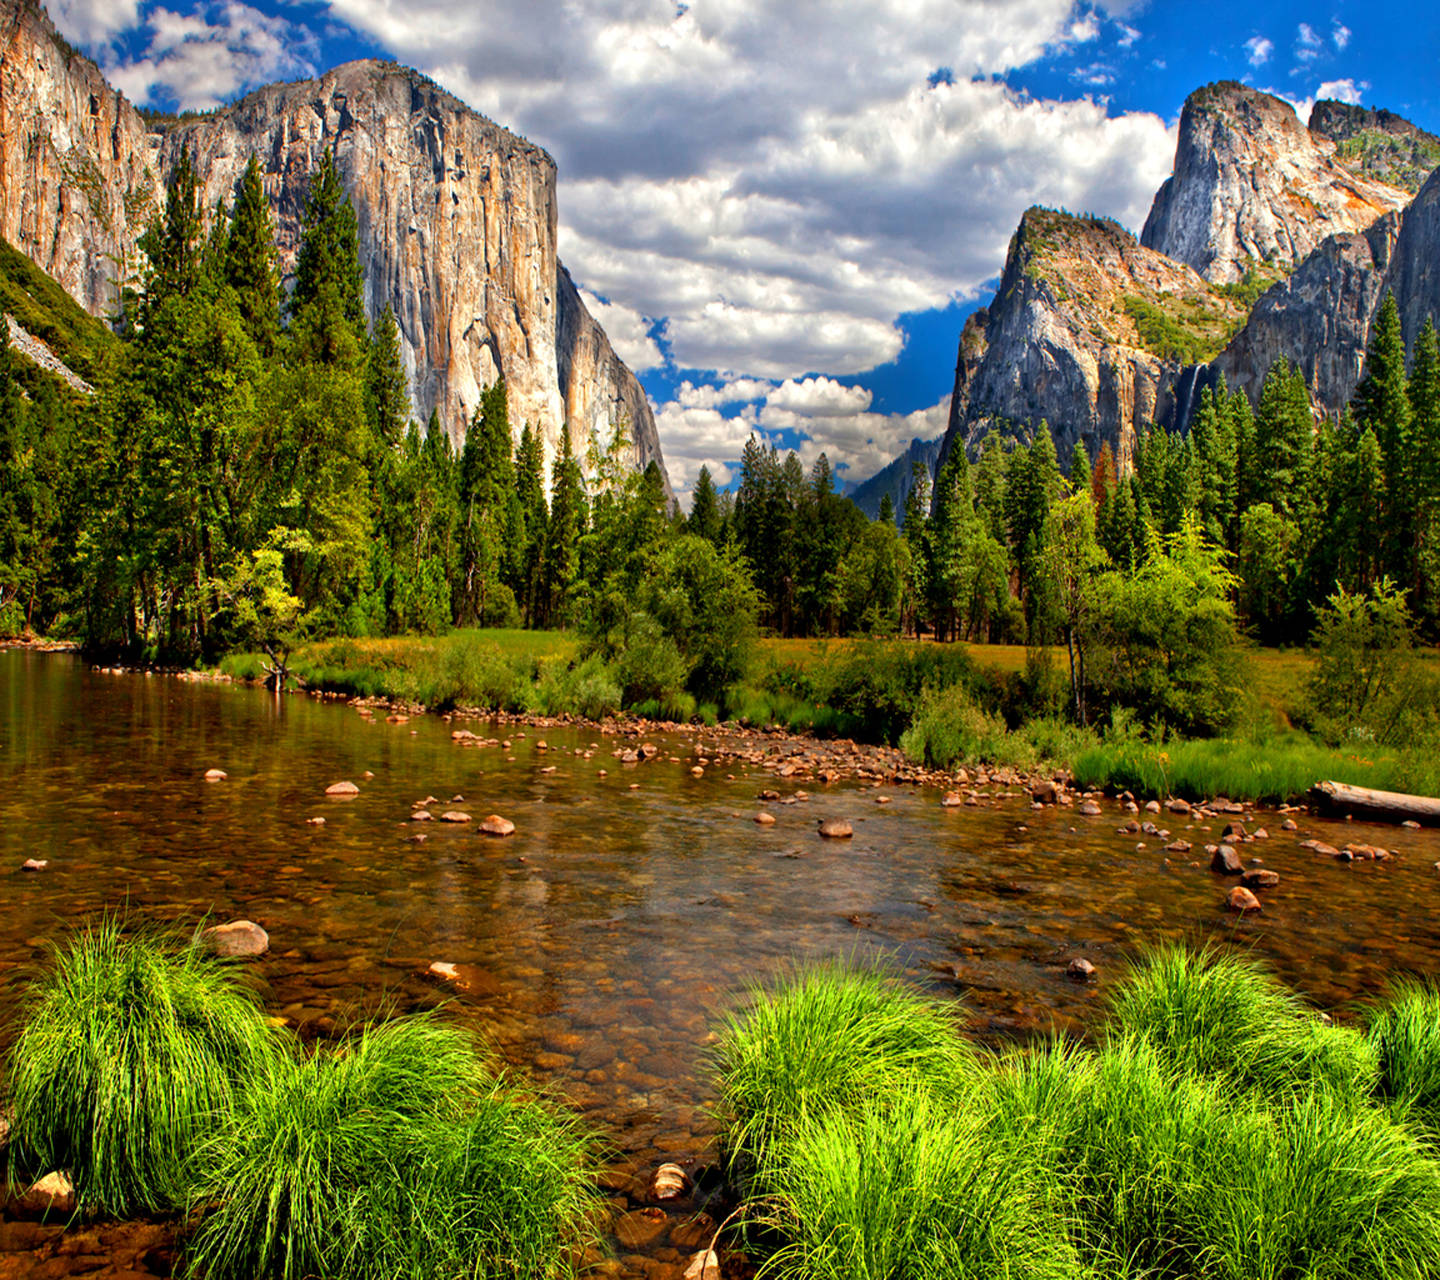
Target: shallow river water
[597,944]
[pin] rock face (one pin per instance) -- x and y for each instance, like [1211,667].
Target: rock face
[1377,144]
[1253,186]
[896,479]
[1090,332]
[1319,319]
[457,219]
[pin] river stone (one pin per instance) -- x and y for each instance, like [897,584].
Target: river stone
[342,789]
[640,1227]
[1320,847]
[236,939]
[1226,861]
[952,800]
[669,1183]
[1242,900]
[1089,809]
[54,1193]
[1080,969]
[1289,825]
[315,822]
[1234,831]
[836,829]
[1179,846]
[1256,878]
[422,815]
[215,775]
[495,825]
[1177,805]
[1152,806]
[443,969]
[34,864]
[1045,791]
[764,819]
[705,1265]
[454,815]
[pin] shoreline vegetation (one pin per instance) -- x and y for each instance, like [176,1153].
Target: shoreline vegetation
[946,707]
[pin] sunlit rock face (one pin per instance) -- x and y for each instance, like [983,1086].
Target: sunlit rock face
[457,219]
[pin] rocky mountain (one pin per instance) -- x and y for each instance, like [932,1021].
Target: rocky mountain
[1089,332]
[457,218]
[1253,186]
[896,479]
[1377,144]
[1270,239]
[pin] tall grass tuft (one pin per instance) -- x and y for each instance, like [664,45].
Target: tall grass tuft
[134,1049]
[400,1153]
[907,1185]
[1405,1033]
[1217,1015]
[828,1036]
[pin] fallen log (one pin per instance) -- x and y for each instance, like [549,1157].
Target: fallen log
[1383,806]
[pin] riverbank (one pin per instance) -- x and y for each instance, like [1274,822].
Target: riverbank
[897,711]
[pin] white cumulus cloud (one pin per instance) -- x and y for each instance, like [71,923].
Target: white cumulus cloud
[1258,50]
[1347,90]
[94,22]
[628,331]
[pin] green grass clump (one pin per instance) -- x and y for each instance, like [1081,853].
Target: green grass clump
[1405,1033]
[400,1153]
[134,1049]
[829,1036]
[1213,1014]
[907,1185]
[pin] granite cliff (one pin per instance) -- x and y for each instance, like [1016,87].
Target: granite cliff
[1270,239]
[457,218]
[1252,185]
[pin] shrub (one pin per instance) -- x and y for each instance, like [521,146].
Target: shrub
[586,688]
[1405,1032]
[135,1048]
[1216,1015]
[398,1153]
[827,1036]
[907,1185]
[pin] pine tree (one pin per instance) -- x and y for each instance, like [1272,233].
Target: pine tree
[1382,405]
[704,513]
[251,265]
[171,243]
[1425,450]
[887,509]
[1102,480]
[1284,434]
[1080,477]
[530,488]
[387,392]
[1212,438]
[567,524]
[327,307]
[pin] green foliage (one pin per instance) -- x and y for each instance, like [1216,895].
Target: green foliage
[401,1152]
[134,1049]
[43,308]
[1181,330]
[1209,1013]
[826,1038]
[1405,1035]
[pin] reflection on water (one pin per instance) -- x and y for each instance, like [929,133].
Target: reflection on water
[599,941]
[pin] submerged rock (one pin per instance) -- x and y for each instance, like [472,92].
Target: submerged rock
[1258,878]
[636,1229]
[836,829]
[342,789]
[215,775]
[239,938]
[34,864]
[764,819]
[1080,970]
[1241,900]
[454,815]
[495,825]
[669,1183]
[705,1265]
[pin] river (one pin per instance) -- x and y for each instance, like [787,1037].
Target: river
[597,945]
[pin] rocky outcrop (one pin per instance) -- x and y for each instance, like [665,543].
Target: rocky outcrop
[457,218]
[1090,332]
[39,354]
[1377,144]
[896,479]
[1319,319]
[1253,186]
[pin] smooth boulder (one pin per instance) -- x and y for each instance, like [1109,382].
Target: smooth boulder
[342,789]
[237,940]
[1241,900]
[495,825]
[836,829]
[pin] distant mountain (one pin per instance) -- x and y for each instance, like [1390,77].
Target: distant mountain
[1270,239]
[896,479]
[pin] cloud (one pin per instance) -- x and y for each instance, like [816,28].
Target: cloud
[628,331]
[857,444]
[1347,90]
[208,56]
[1128,35]
[94,22]
[1339,35]
[705,396]
[780,212]
[1258,50]
[1309,43]
[819,398]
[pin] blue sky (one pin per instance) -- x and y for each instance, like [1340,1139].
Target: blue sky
[782,211]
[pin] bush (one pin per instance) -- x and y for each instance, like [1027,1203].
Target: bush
[909,1186]
[1211,1014]
[879,686]
[1405,1033]
[948,728]
[586,688]
[828,1036]
[135,1048]
[399,1153]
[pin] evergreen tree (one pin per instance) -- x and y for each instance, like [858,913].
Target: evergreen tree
[704,510]
[171,243]
[1425,451]
[327,307]
[530,487]
[1382,405]
[387,392]
[563,533]
[1216,453]
[887,509]
[252,267]
[1080,478]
